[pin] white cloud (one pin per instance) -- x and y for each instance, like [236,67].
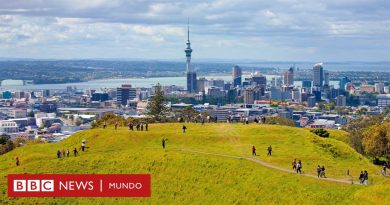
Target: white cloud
[312,27]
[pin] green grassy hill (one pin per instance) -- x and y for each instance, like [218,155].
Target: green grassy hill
[180,177]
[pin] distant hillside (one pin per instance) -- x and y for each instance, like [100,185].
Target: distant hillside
[180,176]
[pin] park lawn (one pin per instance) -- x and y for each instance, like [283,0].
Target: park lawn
[191,178]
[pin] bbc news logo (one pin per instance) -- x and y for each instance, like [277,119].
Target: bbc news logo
[79,185]
[33,185]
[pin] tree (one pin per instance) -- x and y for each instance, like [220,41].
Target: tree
[276,120]
[188,114]
[356,128]
[376,140]
[320,132]
[77,121]
[157,108]
[3,139]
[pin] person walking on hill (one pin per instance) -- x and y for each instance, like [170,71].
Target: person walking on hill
[361,177]
[319,171]
[75,152]
[254,151]
[17,161]
[323,171]
[142,127]
[58,154]
[384,170]
[137,126]
[299,167]
[163,142]
[83,145]
[67,153]
[184,129]
[269,151]
[365,178]
[104,125]
[63,153]
[116,125]
[294,164]
[146,127]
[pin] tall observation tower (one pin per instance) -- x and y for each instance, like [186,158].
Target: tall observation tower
[191,74]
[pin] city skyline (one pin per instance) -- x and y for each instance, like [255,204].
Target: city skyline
[221,29]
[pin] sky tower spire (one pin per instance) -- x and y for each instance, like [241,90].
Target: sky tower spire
[191,75]
[188,29]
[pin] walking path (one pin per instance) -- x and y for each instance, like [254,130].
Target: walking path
[263,163]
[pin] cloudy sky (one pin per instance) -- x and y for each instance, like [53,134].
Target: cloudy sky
[298,30]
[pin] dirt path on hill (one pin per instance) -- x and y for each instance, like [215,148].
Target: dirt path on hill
[263,163]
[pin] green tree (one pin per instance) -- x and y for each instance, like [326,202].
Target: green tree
[376,140]
[320,132]
[157,108]
[276,120]
[3,139]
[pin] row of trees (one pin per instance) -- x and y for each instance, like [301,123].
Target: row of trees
[370,135]
[7,145]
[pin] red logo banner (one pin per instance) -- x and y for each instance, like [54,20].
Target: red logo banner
[79,185]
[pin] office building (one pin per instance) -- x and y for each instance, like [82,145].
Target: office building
[379,88]
[258,79]
[343,81]
[326,78]
[201,84]
[311,101]
[383,100]
[100,97]
[252,93]
[341,100]
[318,75]
[367,88]
[237,76]
[288,77]
[125,93]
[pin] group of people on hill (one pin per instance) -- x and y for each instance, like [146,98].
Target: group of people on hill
[363,177]
[63,153]
[321,171]
[138,126]
[269,149]
[297,166]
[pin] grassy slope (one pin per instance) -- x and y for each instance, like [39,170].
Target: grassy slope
[184,178]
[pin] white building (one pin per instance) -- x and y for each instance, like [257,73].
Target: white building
[383,100]
[322,123]
[296,95]
[341,100]
[379,88]
[8,127]
[17,113]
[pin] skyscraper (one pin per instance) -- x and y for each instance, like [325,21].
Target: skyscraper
[343,81]
[326,78]
[124,93]
[289,77]
[318,75]
[191,75]
[237,75]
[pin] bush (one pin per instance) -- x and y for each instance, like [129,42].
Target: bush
[320,132]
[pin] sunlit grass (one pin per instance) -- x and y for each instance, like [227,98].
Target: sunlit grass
[190,178]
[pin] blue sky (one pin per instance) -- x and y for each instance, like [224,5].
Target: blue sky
[286,30]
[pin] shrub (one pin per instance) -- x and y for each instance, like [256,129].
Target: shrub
[320,132]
